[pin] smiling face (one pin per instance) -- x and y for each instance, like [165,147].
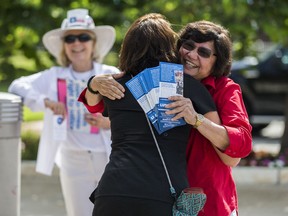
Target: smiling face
[196,63]
[80,53]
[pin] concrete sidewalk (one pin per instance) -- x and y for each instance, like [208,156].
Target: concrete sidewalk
[41,196]
[263,199]
[261,191]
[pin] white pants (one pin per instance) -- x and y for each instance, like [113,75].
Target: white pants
[80,173]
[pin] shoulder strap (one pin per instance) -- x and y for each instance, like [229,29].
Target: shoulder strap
[172,190]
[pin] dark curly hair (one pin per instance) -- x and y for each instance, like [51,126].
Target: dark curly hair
[203,31]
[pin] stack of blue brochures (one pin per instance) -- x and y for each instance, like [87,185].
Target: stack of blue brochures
[152,87]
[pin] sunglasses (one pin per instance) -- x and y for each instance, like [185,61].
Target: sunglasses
[201,51]
[69,39]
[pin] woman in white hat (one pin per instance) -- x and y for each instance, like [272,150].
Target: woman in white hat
[80,142]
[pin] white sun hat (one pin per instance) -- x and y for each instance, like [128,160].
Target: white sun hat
[78,19]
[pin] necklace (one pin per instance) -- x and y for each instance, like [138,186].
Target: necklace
[84,76]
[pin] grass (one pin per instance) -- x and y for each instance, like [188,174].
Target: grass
[28,115]
[30,138]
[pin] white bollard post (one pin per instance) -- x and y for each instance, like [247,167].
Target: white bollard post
[10,154]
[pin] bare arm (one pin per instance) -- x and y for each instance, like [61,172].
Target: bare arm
[92,99]
[210,128]
[107,86]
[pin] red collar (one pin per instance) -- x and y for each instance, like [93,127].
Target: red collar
[209,82]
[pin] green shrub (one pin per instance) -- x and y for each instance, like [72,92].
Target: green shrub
[30,141]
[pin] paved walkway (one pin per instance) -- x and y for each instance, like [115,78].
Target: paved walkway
[41,195]
[263,200]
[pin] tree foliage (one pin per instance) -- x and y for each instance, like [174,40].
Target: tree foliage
[23,23]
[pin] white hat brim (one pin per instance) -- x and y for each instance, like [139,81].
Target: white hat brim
[105,38]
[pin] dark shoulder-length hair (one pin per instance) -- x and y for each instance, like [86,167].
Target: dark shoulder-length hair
[149,40]
[203,31]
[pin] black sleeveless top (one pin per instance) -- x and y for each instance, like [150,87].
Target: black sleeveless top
[135,168]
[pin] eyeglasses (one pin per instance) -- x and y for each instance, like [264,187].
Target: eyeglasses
[69,39]
[201,51]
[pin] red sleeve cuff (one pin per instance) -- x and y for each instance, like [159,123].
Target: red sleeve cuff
[240,142]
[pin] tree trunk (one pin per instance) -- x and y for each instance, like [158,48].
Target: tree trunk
[284,140]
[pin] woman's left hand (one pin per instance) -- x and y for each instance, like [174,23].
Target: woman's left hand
[182,108]
[108,86]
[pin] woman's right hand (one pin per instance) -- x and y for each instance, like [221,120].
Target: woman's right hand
[107,86]
[181,107]
[58,108]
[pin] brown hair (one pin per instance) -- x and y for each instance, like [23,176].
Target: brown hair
[203,31]
[150,39]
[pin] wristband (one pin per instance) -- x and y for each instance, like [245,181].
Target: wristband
[89,87]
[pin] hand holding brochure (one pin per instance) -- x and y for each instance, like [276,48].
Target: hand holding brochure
[171,83]
[152,87]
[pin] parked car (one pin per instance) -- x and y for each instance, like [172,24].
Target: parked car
[264,83]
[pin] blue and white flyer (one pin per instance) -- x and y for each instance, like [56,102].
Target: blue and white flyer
[170,83]
[145,82]
[150,83]
[152,77]
[138,88]
[135,87]
[59,128]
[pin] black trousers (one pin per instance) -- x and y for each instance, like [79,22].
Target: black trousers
[127,206]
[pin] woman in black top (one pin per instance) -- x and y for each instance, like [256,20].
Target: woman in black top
[134,182]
